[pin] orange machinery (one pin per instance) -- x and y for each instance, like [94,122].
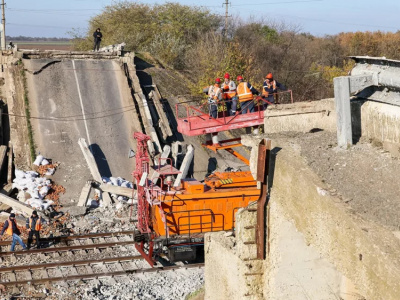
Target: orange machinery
[176,218]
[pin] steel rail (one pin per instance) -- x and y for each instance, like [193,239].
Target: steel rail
[68,248]
[76,237]
[104,274]
[69,263]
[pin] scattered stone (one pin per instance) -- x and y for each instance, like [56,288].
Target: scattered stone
[75,210]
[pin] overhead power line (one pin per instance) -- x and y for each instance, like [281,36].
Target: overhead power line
[285,2]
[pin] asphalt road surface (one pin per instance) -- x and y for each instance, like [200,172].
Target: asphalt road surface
[82,99]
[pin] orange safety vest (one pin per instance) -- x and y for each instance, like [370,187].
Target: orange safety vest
[266,85]
[244,92]
[213,91]
[38,224]
[228,94]
[9,230]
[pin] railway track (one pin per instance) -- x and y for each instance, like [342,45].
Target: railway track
[66,245]
[77,258]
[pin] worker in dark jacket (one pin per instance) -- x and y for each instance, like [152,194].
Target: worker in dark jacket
[270,89]
[11,228]
[97,35]
[34,224]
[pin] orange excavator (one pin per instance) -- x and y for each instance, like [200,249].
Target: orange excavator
[173,220]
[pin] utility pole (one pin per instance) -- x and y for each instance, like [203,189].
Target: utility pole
[226,17]
[3,29]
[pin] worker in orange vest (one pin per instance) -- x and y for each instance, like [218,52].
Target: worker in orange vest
[270,88]
[11,228]
[34,224]
[245,92]
[229,94]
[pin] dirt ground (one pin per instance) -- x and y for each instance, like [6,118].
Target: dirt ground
[365,177]
[44,46]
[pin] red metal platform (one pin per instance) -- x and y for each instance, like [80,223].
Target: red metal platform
[193,119]
[197,122]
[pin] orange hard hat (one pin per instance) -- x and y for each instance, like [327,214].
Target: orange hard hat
[269,76]
[239,78]
[226,75]
[217,80]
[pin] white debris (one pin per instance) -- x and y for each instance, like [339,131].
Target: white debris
[38,160]
[322,192]
[119,181]
[33,187]
[50,171]
[44,190]
[45,162]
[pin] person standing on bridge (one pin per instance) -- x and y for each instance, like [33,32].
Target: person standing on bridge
[270,89]
[34,224]
[97,35]
[11,228]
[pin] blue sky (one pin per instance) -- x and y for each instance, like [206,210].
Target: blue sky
[54,18]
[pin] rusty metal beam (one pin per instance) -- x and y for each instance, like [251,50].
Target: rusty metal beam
[69,248]
[264,150]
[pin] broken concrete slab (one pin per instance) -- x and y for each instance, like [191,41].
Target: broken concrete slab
[176,146]
[118,190]
[87,188]
[93,168]
[185,165]
[10,162]
[15,204]
[90,159]
[6,190]
[163,122]
[163,157]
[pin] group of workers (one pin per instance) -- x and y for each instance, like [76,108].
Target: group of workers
[230,94]
[33,224]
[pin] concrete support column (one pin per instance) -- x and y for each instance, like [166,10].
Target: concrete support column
[343,111]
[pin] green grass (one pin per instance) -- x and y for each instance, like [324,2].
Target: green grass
[195,293]
[28,115]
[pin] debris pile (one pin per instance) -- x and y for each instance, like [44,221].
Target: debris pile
[34,188]
[119,181]
[164,285]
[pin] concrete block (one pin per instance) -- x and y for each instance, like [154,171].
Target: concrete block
[185,165]
[90,160]
[343,111]
[301,116]
[335,233]
[85,194]
[118,190]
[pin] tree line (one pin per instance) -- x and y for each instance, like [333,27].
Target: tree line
[192,38]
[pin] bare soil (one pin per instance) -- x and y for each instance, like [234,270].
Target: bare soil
[45,46]
[365,176]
